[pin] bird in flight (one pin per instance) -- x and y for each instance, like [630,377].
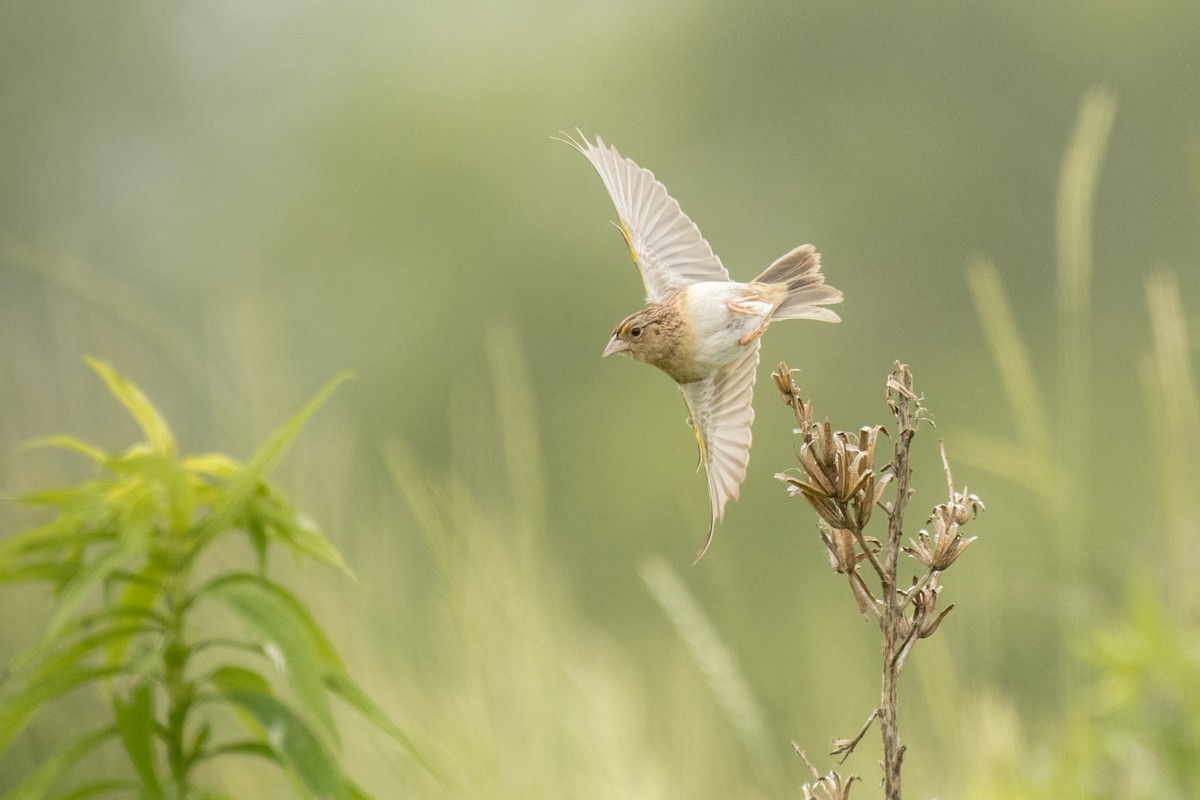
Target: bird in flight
[701,327]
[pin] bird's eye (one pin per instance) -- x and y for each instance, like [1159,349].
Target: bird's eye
[635,331]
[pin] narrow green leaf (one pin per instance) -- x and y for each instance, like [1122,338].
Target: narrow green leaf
[241,487]
[64,533]
[305,538]
[213,465]
[288,637]
[55,571]
[322,646]
[199,746]
[238,679]
[99,788]
[154,427]
[136,723]
[107,618]
[171,476]
[295,529]
[38,783]
[244,749]
[16,710]
[86,500]
[66,442]
[93,573]
[137,599]
[299,749]
[344,686]
[68,657]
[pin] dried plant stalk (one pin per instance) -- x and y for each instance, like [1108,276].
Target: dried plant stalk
[840,481]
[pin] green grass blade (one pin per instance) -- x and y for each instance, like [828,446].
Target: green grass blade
[714,659]
[154,427]
[1078,176]
[1011,358]
[1077,180]
[344,686]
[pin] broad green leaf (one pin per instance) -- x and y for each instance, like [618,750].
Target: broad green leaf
[288,637]
[38,783]
[136,723]
[300,750]
[65,442]
[344,686]
[171,476]
[241,487]
[153,426]
[17,709]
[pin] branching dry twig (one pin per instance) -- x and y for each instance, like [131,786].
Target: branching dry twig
[839,480]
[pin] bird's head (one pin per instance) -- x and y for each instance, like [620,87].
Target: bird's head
[642,336]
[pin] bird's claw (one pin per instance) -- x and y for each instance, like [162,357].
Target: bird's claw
[754,334]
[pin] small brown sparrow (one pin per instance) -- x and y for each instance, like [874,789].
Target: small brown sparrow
[702,328]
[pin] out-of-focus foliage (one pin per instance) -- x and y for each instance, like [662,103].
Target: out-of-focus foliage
[1134,729]
[234,200]
[141,535]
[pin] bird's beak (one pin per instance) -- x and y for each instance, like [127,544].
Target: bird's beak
[615,345]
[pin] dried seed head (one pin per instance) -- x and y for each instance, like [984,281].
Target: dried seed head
[925,618]
[937,551]
[839,475]
[961,508]
[900,388]
[843,554]
[790,393]
[830,787]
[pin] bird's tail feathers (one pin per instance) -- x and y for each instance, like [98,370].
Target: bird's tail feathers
[800,270]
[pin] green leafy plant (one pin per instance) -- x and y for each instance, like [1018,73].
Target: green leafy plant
[129,559]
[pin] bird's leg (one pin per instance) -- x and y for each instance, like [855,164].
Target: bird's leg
[753,308]
[758,331]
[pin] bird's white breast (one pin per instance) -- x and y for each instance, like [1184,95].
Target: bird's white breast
[717,329]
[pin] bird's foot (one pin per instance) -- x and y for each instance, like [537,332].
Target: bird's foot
[754,334]
[748,308]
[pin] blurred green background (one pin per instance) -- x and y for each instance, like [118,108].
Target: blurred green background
[232,201]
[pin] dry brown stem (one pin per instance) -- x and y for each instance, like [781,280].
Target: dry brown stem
[839,480]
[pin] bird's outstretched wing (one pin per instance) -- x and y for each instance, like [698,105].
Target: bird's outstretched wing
[721,416]
[666,246]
